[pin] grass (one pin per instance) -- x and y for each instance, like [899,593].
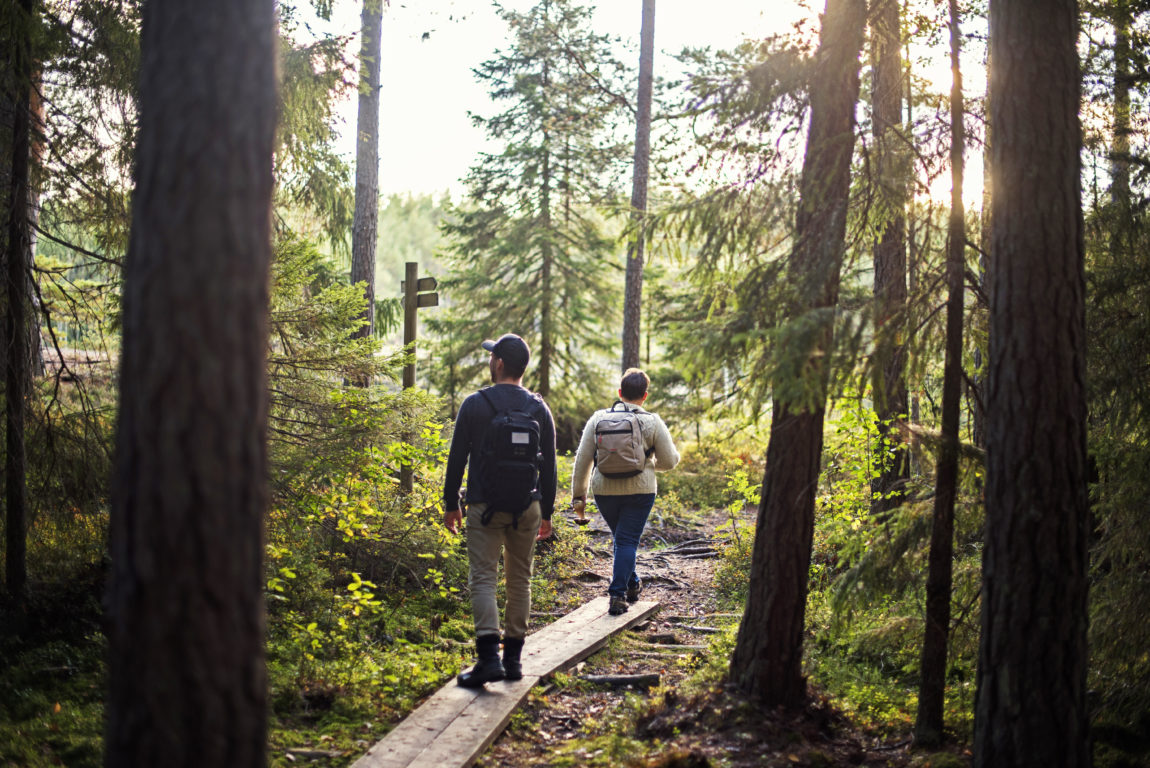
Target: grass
[52,680]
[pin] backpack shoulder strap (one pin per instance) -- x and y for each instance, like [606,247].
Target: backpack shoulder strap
[490,402]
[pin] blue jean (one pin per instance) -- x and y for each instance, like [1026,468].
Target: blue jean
[626,516]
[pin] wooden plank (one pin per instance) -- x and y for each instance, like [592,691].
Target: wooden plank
[454,727]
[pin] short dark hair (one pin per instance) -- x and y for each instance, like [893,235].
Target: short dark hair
[513,351]
[634,384]
[513,371]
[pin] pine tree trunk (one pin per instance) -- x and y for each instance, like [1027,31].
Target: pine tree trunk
[546,319]
[36,147]
[1120,200]
[889,378]
[978,417]
[633,292]
[767,661]
[932,688]
[17,306]
[1031,701]
[363,234]
[187,684]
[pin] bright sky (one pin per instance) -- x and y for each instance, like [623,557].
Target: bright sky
[427,142]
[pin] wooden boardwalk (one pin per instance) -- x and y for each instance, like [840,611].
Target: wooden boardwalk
[455,726]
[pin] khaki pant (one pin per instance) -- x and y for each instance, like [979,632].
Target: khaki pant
[484,543]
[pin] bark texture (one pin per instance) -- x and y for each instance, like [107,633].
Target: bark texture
[18,303]
[185,609]
[767,661]
[928,727]
[633,291]
[889,378]
[1031,703]
[546,254]
[364,225]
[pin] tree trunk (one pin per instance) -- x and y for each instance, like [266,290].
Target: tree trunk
[37,129]
[1121,226]
[633,292]
[978,417]
[767,661]
[932,687]
[889,376]
[187,684]
[546,319]
[1031,701]
[18,304]
[363,232]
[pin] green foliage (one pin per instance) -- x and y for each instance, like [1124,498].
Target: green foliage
[1118,283]
[312,179]
[362,595]
[732,574]
[312,354]
[90,53]
[528,250]
[52,680]
[702,478]
[563,557]
[868,576]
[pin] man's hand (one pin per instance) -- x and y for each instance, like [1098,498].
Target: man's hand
[452,519]
[544,530]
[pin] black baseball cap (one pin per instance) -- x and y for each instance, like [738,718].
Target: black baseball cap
[511,349]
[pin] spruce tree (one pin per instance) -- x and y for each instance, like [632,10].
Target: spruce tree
[529,251]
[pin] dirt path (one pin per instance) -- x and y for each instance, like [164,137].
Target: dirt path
[574,722]
[676,566]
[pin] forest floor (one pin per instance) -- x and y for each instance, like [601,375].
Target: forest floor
[685,722]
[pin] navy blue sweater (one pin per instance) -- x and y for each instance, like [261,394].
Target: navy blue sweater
[470,425]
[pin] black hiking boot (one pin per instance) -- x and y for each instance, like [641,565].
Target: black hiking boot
[618,606]
[488,669]
[512,648]
[633,592]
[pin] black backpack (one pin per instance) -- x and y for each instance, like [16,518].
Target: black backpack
[509,460]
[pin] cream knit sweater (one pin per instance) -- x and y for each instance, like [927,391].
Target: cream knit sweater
[665,457]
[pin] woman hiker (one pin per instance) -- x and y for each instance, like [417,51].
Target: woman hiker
[621,449]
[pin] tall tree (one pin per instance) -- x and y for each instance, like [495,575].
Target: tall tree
[529,251]
[1031,701]
[932,687]
[186,621]
[18,240]
[633,291]
[889,371]
[767,661]
[367,159]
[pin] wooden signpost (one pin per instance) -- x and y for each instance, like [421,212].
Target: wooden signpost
[417,292]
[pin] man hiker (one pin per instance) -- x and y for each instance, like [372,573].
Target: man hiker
[624,445]
[505,436]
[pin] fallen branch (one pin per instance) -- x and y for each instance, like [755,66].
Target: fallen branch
[682,545]
[697,551]
[311,754]
[649,680]
[705,616]
[677,647]
[698,629]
